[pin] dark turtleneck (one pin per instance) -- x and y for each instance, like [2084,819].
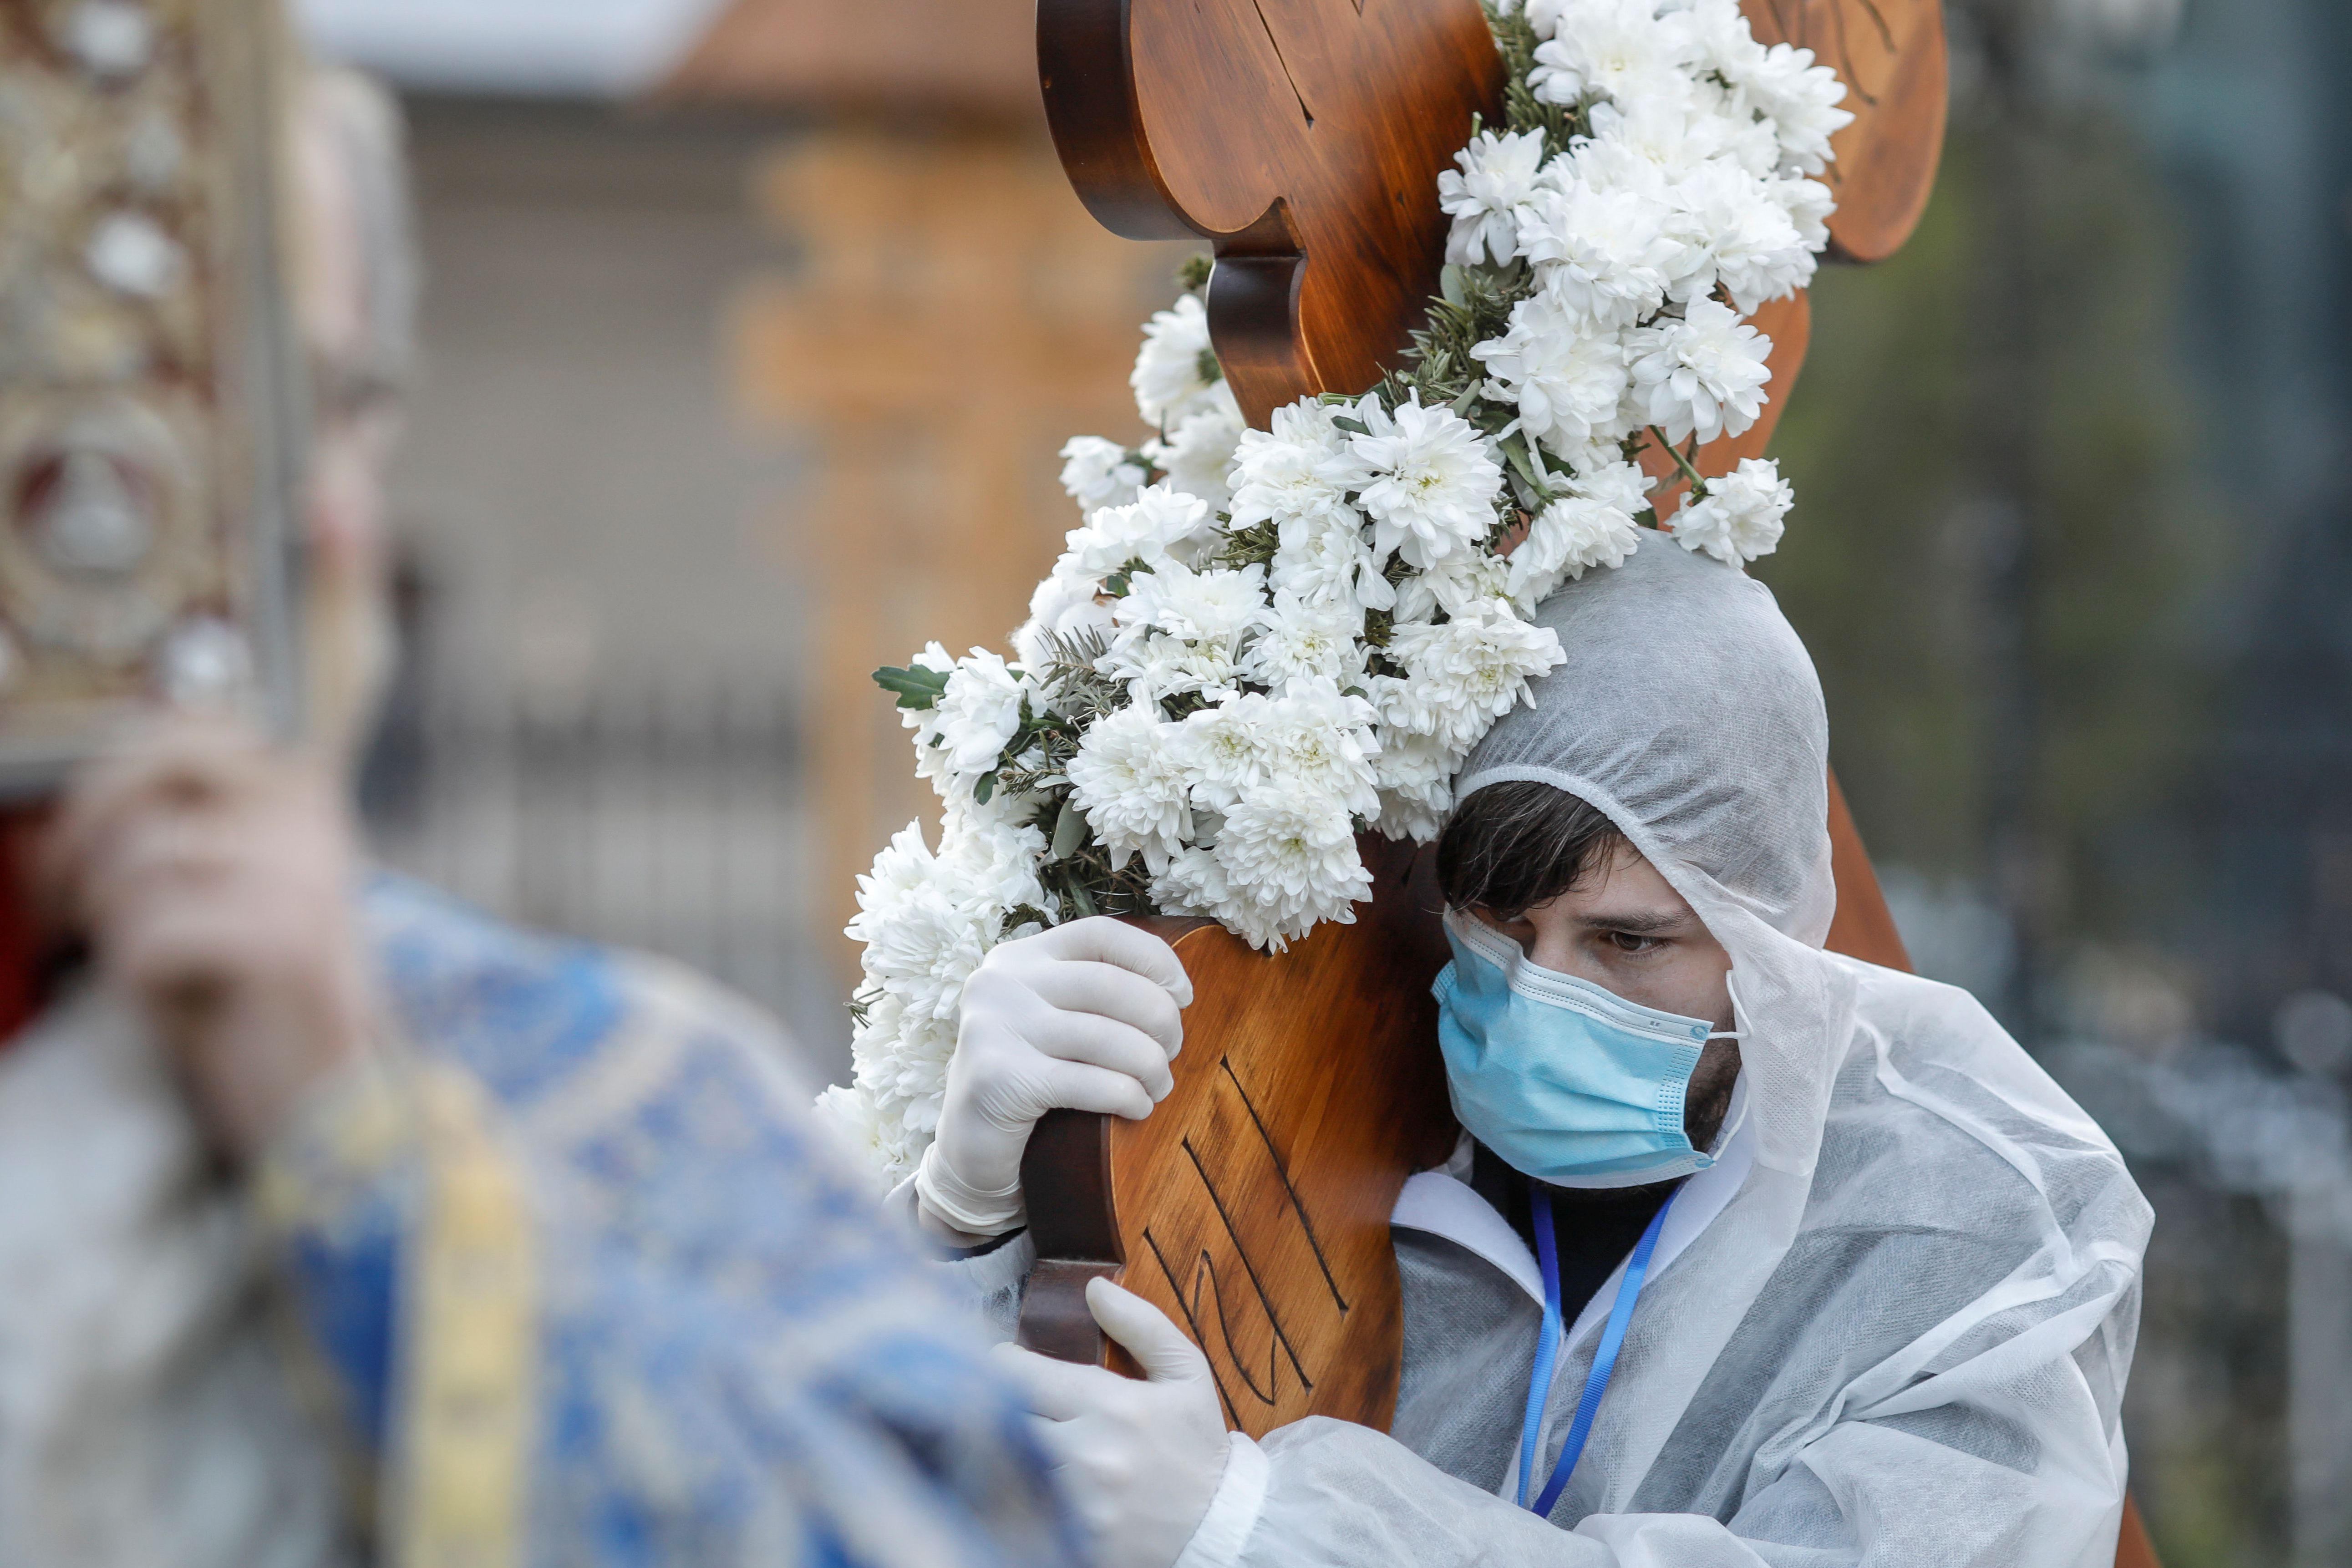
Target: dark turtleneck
[1594,1229]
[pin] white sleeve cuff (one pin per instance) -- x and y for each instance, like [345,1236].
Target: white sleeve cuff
[1232,1513]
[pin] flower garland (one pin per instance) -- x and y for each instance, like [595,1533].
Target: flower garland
[1260,643]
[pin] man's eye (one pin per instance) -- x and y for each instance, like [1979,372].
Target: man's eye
[1630,941]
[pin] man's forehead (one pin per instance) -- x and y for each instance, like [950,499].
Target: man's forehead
[1625,892]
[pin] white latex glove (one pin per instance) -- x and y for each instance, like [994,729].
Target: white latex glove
[1138,1461]
[1086,1018]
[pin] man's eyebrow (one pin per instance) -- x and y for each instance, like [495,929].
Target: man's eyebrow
[1635,922]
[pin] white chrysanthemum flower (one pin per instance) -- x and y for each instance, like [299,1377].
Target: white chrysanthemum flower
[1460,582]
[1291,858]
[925,948]
[1328,562]
[872,1147]
[1613,48]
[1213,607]
[1720,35]
[875,1040]
[1567,538]
[1415,775]
[1299,472]
[1158,525]
[903,866]
[1194,884]
[1605,253]
[1741,518]
[909,1080]
[1433,481]
[1463,674]
[1800,99]
[1498,176]
[978,714]
[1099,473]
[1741,226]
[1674,133]
[1132,778]
[1808,204]
[992,862]
[1566,372]
[1704,372]
[1198,454]
[1065,615]
[1319,742]
[1310,642]
[1229,749]
[1157,664]
[1176,372]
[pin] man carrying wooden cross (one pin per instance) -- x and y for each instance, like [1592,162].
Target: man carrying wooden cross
[1749,1253]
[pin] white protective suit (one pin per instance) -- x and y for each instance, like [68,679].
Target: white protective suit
[1890,1326]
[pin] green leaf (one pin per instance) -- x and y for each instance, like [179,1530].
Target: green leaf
[1084,899]
[1515,450]
[1469,398]
[1450,283]
[1344,423]
[984,789]
[1069,829]
[918,688]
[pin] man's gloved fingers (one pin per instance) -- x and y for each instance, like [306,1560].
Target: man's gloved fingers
[1054,1439]
[1074,1086]
[1109,991]
[1107,940]
[1158,1345]
[1088,1039]
[1057,1389]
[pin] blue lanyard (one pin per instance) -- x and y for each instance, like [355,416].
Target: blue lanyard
[1604,1358]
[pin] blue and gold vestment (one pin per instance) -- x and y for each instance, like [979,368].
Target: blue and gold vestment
[583,1284]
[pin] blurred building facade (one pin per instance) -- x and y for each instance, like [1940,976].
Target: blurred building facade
[596,729]
[731,397]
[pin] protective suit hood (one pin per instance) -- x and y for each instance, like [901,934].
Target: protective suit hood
[1690,712]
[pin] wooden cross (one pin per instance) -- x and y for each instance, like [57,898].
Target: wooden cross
[1303,139]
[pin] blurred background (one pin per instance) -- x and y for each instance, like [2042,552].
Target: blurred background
[752,327]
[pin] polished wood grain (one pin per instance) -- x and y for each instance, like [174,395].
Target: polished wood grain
[1253,1206]
[1301,138]
[1891,56]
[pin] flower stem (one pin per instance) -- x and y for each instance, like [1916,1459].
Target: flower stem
[1698,481]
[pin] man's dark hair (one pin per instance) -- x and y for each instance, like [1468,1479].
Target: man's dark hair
[1511,847]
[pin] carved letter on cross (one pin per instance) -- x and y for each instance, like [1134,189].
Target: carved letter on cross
[1303,138]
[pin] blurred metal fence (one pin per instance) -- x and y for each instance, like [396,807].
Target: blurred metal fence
[663,815]
[2229,1120]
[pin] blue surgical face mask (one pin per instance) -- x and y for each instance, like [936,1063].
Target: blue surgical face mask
[1564,1081]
